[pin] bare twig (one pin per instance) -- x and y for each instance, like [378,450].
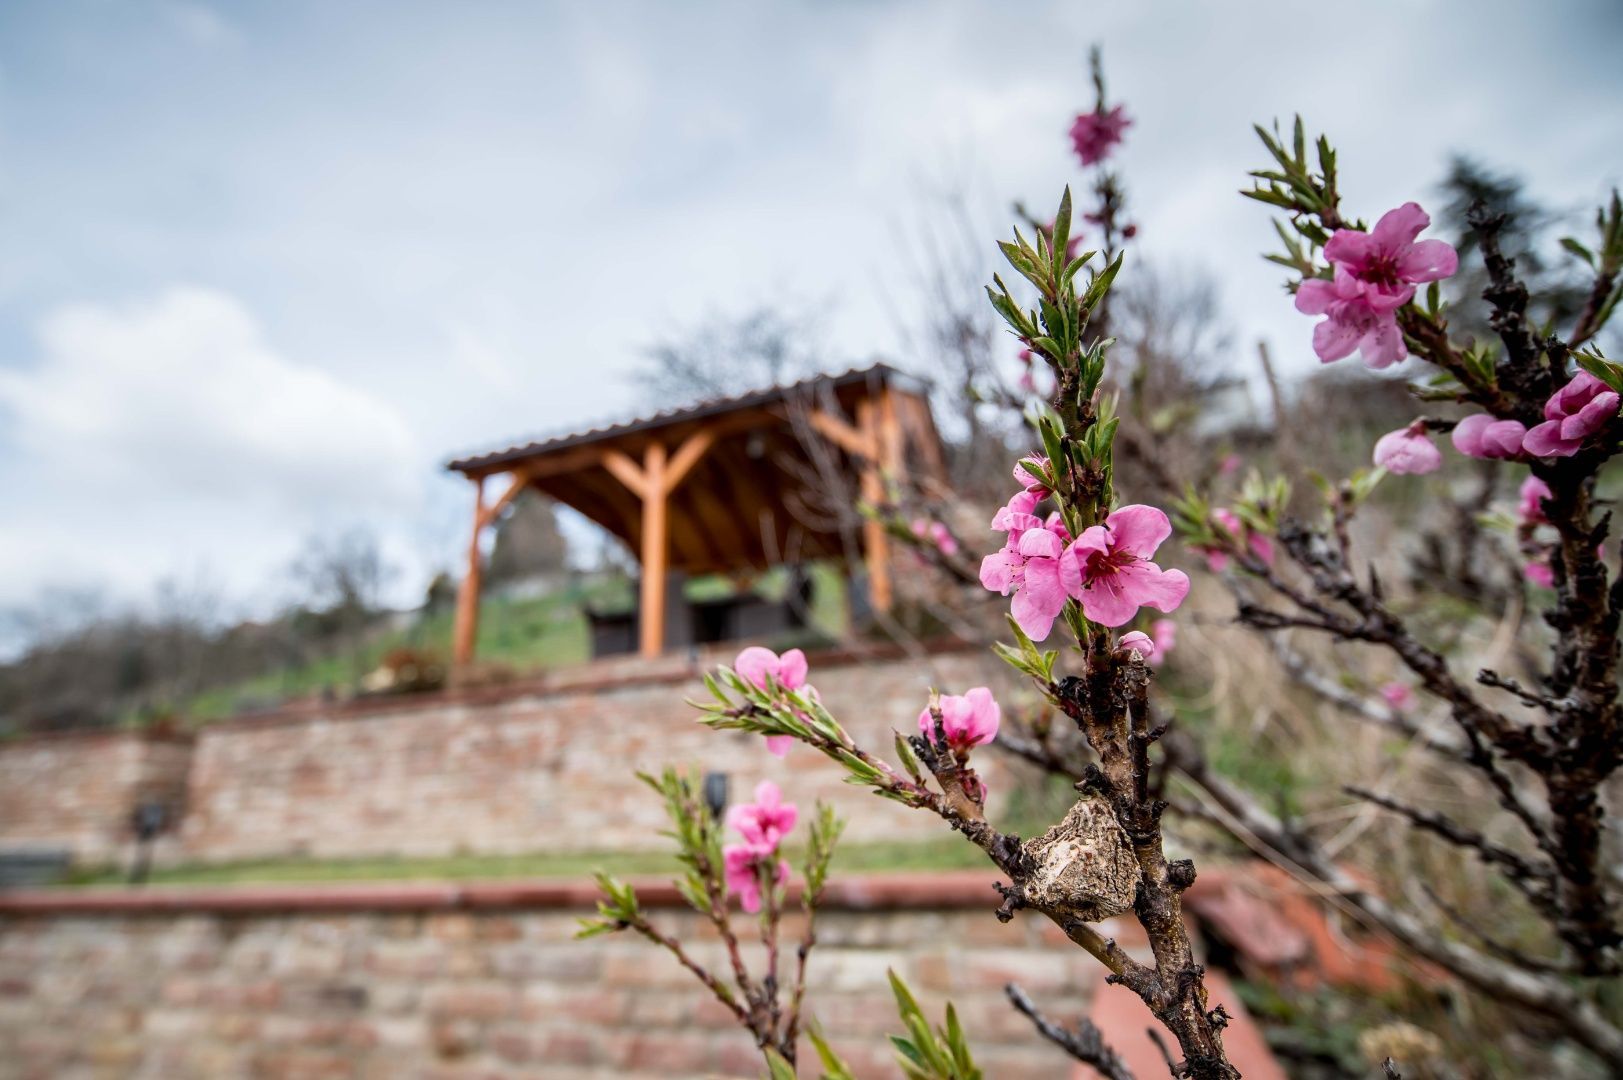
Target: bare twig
[1084,1042]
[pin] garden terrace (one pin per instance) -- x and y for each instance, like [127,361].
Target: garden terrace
[730,485]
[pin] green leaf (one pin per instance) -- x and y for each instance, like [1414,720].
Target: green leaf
[1603,369]
[1579,250]
[833,1067]
[909,760]
[1062,234]
[776,1067]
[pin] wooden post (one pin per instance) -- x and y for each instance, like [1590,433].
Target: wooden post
[875,541]
[467,597]
[655,549]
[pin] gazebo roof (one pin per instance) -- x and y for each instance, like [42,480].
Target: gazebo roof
[868,378]
[742,479]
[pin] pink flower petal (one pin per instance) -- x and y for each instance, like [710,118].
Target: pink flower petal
[985,715]
[1039,600]
[998,570]
[1398,228]
[1540,574]
[1407,452]
[1578,392]
[1138,529]
[1138,642]
[754,664]
[1314,296]
[1334,340]
[1429,260]
[1532,494]
[1095,540]
[1591,418]
[1105,602]
[1040,543]
[792,669]
[1383,345]
[1544,440]
[1151,586]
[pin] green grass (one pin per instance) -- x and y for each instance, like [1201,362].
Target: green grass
[937,853]
[524,634]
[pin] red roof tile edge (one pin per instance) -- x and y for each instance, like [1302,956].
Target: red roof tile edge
[935,891]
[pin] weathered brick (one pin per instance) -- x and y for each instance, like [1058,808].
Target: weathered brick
[670,1053]
[478,1001]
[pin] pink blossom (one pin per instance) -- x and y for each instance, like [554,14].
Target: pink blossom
[1020,505]
[1575,412]
[758,665]
[1165,634]
[1108,567]
[1531,506]
[1028,566]
[1357,317]
[1407,451]
[762,666]
[968,720]
[1481,436]
[767,820]
[1397,695]
[1388,258]
[1136,641]
[1572,398]
[937,534]
[1217,559]
[1095,134]
[1229,465]
[742,864]
[1539,573]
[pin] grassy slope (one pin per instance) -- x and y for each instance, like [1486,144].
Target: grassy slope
[525,634]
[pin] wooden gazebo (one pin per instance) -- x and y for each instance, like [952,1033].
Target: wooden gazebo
[714,487]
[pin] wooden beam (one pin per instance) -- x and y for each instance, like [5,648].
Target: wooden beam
[687,455]
[920,437]
[467,598]
[489,514]
[855,441]
[875,540]
[655,549]
[623,469]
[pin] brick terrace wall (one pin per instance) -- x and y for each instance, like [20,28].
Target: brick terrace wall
[545,767]
[435,982]
[77,791]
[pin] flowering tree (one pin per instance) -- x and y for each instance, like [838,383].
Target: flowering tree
[1079,567]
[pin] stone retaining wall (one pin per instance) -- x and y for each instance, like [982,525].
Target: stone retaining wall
[542,767]
[447,982]
[77,791]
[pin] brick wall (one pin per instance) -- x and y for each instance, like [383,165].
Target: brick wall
[486,982]
[541,767]
[77,791]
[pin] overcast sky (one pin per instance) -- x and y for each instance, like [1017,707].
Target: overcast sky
[265,266]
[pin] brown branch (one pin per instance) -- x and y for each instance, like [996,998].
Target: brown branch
[1557,999]
[1085,1042]
[1534,881]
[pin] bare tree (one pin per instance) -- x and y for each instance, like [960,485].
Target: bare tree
[729,354]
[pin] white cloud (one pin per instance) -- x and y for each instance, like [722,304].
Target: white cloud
[178,428]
